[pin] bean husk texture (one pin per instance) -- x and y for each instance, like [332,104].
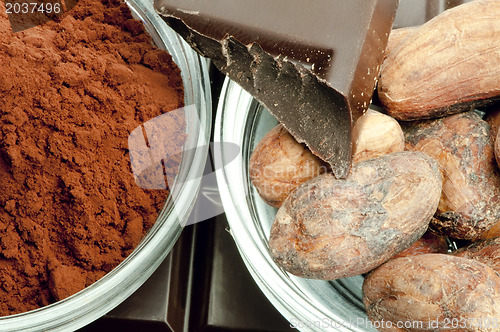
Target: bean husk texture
[434,292]
[448,65]
[462,146]
[332,228]
[485,251]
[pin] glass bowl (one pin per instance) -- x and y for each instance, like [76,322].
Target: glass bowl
[309,305]
[94,301]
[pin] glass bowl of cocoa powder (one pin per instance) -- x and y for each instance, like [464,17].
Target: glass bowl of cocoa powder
[83,223]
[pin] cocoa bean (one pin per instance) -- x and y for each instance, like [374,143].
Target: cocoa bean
[462,146]
[484,251]
[429,243]
[447,65]
[431,291]
[396,37]
[329,228]
[493,118]
[497,149]
[376,134]
[279,164]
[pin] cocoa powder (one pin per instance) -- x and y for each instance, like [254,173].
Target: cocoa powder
[70,93]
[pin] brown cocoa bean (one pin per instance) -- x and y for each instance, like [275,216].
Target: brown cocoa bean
[497,148]
[331,228]
[493,119]
[447,65]
[431,291]
[376,134]
[484,251]
[462,146]
[279,164]
[429,243]
[492,232]
[396,37]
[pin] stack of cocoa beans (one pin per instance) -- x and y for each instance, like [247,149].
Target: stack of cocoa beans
[424,175]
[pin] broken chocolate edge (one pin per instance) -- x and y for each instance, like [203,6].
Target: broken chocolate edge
[322,108]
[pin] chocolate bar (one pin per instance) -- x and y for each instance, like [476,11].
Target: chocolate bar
[313,64]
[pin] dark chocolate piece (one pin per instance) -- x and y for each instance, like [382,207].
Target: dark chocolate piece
[313,64]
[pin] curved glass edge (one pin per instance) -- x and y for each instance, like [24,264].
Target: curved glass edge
[91,303]
[309,305]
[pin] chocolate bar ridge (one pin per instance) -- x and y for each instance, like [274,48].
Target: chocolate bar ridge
[293,77]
